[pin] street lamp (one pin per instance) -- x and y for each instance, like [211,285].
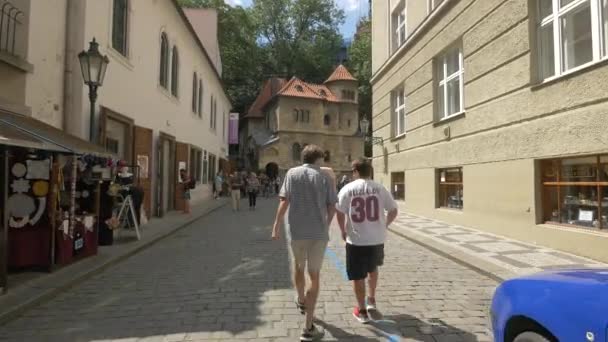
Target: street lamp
[93,66]
[365,130]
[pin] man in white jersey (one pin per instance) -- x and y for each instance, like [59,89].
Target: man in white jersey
[365,209]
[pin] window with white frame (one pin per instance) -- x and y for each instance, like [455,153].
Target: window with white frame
[398,119]
[399,25]
[450,83]
[570,35]
[432,4]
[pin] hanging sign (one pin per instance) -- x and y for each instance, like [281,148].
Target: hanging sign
[233,129]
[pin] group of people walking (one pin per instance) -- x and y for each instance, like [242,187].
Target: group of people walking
[252,185]
[364,210]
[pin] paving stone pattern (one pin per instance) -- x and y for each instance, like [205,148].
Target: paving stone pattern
[222,279]
[515,256]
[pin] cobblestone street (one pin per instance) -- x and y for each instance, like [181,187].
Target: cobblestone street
[221,278]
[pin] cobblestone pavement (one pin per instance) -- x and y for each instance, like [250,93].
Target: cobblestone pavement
[221,279]
[516,256]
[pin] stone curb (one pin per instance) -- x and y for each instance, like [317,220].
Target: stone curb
[17,310]
[487,269]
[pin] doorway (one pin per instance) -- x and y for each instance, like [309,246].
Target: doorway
[166,175]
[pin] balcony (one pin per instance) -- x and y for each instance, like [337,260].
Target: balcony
[13,34]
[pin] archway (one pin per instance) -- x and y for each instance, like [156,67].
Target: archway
[272,170]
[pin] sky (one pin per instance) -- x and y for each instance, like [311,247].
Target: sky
[353,9]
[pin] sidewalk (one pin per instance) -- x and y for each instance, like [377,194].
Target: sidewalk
[44,286]
[498,257]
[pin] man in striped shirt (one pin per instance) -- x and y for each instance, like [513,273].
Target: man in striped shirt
[310,196]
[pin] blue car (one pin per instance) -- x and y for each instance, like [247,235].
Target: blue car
[560,305]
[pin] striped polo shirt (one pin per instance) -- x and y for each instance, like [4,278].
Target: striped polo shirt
[309,192]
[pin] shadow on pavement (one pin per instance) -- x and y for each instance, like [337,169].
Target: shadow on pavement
[396,327]
[217,278]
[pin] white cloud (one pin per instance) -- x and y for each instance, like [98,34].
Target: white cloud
[349,5]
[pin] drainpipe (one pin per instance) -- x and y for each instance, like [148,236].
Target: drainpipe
[72,78]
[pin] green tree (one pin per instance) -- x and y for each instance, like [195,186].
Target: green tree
[360,63]
[242,57]
[301,37]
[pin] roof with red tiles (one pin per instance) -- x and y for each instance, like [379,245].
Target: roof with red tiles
[270,88]
[298,88]
[341,74]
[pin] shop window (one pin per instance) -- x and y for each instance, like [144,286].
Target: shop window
[212,168]
[575,191]
[398,185]
[120,17]
[196,164]
[568,37]
[450,188]
[112,145]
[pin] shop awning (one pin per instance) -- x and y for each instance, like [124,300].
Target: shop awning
[20,130]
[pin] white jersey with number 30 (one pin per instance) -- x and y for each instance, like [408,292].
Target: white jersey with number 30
[365,203]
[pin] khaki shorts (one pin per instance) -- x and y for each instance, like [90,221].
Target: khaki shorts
[308,253]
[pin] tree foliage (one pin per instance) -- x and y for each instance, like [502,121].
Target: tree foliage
[360,64]
[274,37]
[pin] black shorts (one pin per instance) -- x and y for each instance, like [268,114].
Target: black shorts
[361,260]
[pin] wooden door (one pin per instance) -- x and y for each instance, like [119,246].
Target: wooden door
[182,152]
[142,157]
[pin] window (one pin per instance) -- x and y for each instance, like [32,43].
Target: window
[399,25]
[112,145]
[299,88]
[164,61]
[348,122]
[196,164]
[575,191]
[327,157]
[327,119]
[348,95]
[301,115]
[296,151]
[174,72]
[120,16]
[450,188]
[194,93]
[432,4]
[323,93]
[224,127]
[398,119]
[570,34]
[205,167]
[215,114]
[211,112]
[450,84]
[398,185]
[200,98]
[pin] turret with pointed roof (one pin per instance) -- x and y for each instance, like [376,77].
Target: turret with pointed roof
[341,74]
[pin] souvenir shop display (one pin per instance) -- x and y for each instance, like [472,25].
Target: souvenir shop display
[127,197]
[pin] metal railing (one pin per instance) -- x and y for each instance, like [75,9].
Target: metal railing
[9,21]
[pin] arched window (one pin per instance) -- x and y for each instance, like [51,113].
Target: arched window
[299,88]
[327,157]
[174,72]
[327,119]
[194,93]
[200,98]
[164,61]
[296,151]
[296,115]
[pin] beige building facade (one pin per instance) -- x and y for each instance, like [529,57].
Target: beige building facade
[493,115]
[302,113]
[162,104]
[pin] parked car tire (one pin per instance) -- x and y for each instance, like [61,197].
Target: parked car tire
[530,336]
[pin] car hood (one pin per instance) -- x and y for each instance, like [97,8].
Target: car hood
[589,276]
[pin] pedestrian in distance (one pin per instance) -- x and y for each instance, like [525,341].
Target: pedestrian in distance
[187,185]
[253,187]
[308,193]
[217,185]
[365,209]
[236,184]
